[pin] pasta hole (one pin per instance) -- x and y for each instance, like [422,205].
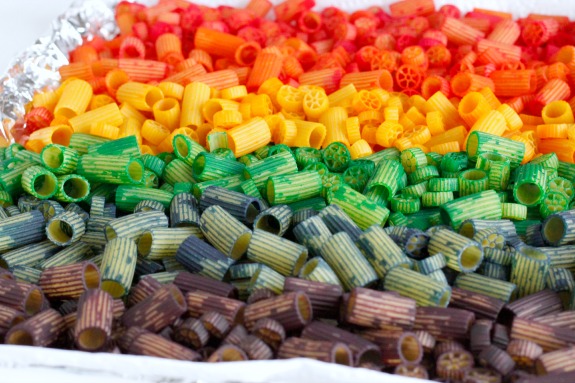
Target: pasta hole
[181,147]
[91,276]
[269,223]
[20,337]
[76,188]
[34,302]
[410,349]
[553,229]
[136,171]
[304,308]
[309,267]
[153,95]
[52,157]
[110,233]
[342,355]
[445,298]
[92,339]
[253,210]
[317,136]
[210,108]
[65,112]
[177,295]
[300,262]
[241,245]
[231,354]
[472,144]
[60,231]
[115,289]
[534,254]
[469,103]
[271,191]
[470,258]
[466,229]
[61,136]
[474,175]
[528,193]
[45,185]
[145,243]
[199,165]
[165,104]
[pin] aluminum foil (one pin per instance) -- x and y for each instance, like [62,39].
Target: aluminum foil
[37,67]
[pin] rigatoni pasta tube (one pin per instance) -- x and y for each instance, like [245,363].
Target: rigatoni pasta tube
[119,266]
[247,137]
[226,233]
[65,228]
[280,254]
[309,134]
[140,96]
[159,243]
[411,284]
[24,297]
[318,270]
[134,225]
[59,159]
[199,257]
[94,320]
[74,99]
[462,254]
[529,270]
[292,310]
[365,305]
[381,251]
[123,170]
[59,134]
[239,205]
[40,330]
[329,352]
[109,114]
[275,220]
[69,281]
[358,207]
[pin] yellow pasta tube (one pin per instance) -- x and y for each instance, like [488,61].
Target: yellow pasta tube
[140,96]
[101,129]
[195,95]
[247,137]
[235,93]
[360,149]
[285,132]
[215,105]
[439,102]
[59,134]
[338,97]
[309,134]
[47,100]
[128,111]
[172,90]
[353,130]
[167,113]
[109,114]
[167,144]
[99,100]
[226,119]
[558,112]
[131,127]
[472,107]
[512,119]
[492,123]
[334,121]
[154,132]
[74,100]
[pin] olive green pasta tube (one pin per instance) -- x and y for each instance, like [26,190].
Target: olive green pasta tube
[359,208]
[559,229]
[118,266]
[529,270]
[72,188]
[318,270]
[275,220]
[178,171]
[290,188]
[184,211]
[338,221]
[351,267]
[65,228]
[134,225]
[29,255]
[125,146]
[411,284]
[284,256]
[278,164]
[266,278]
[225,232]
[381,251]
[503,290]
[128,196]
[75,253]
[26,274]
[240,206]
[59,159]
[160,242]
[117,170]
[149,205]
[461,253]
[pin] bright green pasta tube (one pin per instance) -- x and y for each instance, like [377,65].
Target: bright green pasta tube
[436,199]
[154,164]
[65,228]
[118,266]
[349,264]
[276,220]
[566,170]
[385,154]
[462,254]
[125,146]
[30,255]
[39,182]
[225,232]
[480,142]
[150,179]
[72,188]
[381,251]
[248,187]
[529,270]
[487,286]
[318,270]
[232,182]
[159,243]
[186,149]
[59,159]
[530,184]
[358,207]
[267,278]
[134,225]
[472,181]
[278,164]
[282,255]
[81,141]
[25,155]
[11,178]
[108,191]
[423,289]
[385,179]
[128,196]
[498,168]
[412,159]
[290,188]
[210,167]
[113,170]
[482,205]
[240,206]
[217,140]
[405,205]
[312,233]
[316,203]
[75,253]
[178,171]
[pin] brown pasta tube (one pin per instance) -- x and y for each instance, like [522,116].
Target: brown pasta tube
[260,294]
[270,331]
[427,341]
[524,353]
[482,305]
[292,310]
[5,274]
[9,317]
[556,362]
[21,296]
[454,365]
[565,319]
[496,359]
[444,323]
[192,282]
[500,336]
[542,303]
[377,309]
[191,332]
[200,302]
[69,281]
[157,311]
[149,344]
[549,338]
[216,324]
[447,346]
[324,297]
[236,335]
[480,335]
[256,349]
[145,287]
[325,351]
[118,309]
[94,320]
[228,353]
[362,349]
[397,347]
[41,330]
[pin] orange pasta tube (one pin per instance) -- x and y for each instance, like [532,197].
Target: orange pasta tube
[334,119]
[247,53]
[202,57]
[74,100]
[565,149]
[245,138]
[187,75]
[505,32]
[217,43]
[329,79]
[114,79]
[472,107]
[79,70]
[309,134]
[154,132]
[221,79]
[140,96]
[408,8]
[53,135]
[459,33]
[259,8]
[143,70]
[102,129]
[511,52]
[466,82]
[434,84]
[368,80]
[552,91]
[558,112]
[169,48]
[167,113]
[511,83]
[267,65]
[103,66]
[195,95]
[109,114]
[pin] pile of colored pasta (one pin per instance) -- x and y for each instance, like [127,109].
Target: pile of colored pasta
[389,191]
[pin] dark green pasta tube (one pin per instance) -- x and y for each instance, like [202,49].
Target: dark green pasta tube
[118,266]
[312,233]
[529,270]
[182,187]
[559,229]
[240,206]
[480,142]
[337,221]
[385,179]
[423,289]
[75,208]
[472,181]
[26,203]
[113,170]
[482,205]
[430,264]
[316,203]
[471,227]
[29,255]
[72,188]
[290,188]
[351,267]
[75,253]
[59,159]
[461,253]
[184,211]
[282,255]
[81,141]
[210,167]
[225,232]
[233,182]
[381,250]
[65,228]
[148,205]
[361,210]
[134,225]
[278,164]
[50,209]
[266,278]
[530,184]
[276,220]
[186,149]
[178,171]
[159,243]
[39,182]
[503,290]
[26,273]
[125,146]
[200,258]
[318,270]
[128,196]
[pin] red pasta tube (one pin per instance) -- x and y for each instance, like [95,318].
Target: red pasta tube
[69,281]
[506,32]
[132,48]
[512,83]
[247,53]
